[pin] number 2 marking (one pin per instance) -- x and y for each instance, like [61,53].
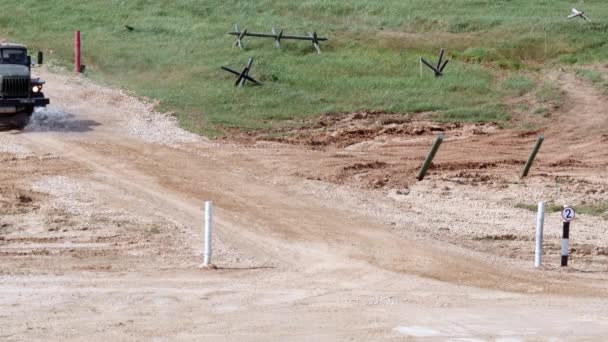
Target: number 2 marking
[568,214]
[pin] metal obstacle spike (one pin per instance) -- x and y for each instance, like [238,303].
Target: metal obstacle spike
[577,13]
[278,39]
[437,72]
[238,39]
[439,59]
[438,69]
[236,30]
[232,71]
[313,37]
[240,81]
[443,66]
[585,17]
[315,41]
[243,76]
[274,33]
[238,73]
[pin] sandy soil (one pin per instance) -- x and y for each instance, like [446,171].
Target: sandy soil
[322,234]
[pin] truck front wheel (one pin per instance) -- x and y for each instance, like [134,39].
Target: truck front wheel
[20,120]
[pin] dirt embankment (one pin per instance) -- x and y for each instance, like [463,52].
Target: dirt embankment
[383,150]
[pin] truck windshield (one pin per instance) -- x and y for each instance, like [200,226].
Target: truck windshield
[13,56]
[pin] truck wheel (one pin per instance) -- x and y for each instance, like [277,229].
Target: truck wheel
[19,121]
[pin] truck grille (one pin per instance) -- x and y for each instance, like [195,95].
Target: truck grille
[15,86]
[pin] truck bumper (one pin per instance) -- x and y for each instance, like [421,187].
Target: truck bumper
[13,106]
[33,102]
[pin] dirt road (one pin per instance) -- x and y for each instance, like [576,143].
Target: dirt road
[100,237]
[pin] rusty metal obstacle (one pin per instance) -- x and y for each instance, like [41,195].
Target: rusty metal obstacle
[278,37]
[438,69]
[243,75]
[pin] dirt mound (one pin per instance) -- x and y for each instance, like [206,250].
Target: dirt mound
[345,129]
[379,149]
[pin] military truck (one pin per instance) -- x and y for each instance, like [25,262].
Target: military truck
[20,93]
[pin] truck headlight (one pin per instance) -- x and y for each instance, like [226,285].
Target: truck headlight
[37,88]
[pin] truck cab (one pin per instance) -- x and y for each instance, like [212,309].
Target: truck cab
[20,94]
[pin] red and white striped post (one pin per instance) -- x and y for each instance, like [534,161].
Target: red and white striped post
[77,52]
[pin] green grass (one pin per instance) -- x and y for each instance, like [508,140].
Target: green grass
[597,209]
[370,62]
[517,85]
[550,94]
[595,77]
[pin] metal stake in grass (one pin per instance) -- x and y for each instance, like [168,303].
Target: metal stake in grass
[315,41]
[577,13]
[277,38]
[243,75]
[430,156]
[438,69]
[239,37]
[531,157]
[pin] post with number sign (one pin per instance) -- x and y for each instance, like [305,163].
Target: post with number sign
[567,216]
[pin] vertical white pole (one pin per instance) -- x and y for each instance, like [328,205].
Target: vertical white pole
[420,62]
[539,234]
[208,218]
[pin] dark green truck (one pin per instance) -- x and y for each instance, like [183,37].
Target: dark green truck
[19,92]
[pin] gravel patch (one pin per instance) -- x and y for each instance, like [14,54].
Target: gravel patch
[465,215]
[159,128]
[73,196]
[110,108]
[142,120]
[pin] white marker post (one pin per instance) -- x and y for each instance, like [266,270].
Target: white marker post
[540,219]
[208,218]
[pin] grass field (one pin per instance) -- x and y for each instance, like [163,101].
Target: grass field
[369,63]
[597,209]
